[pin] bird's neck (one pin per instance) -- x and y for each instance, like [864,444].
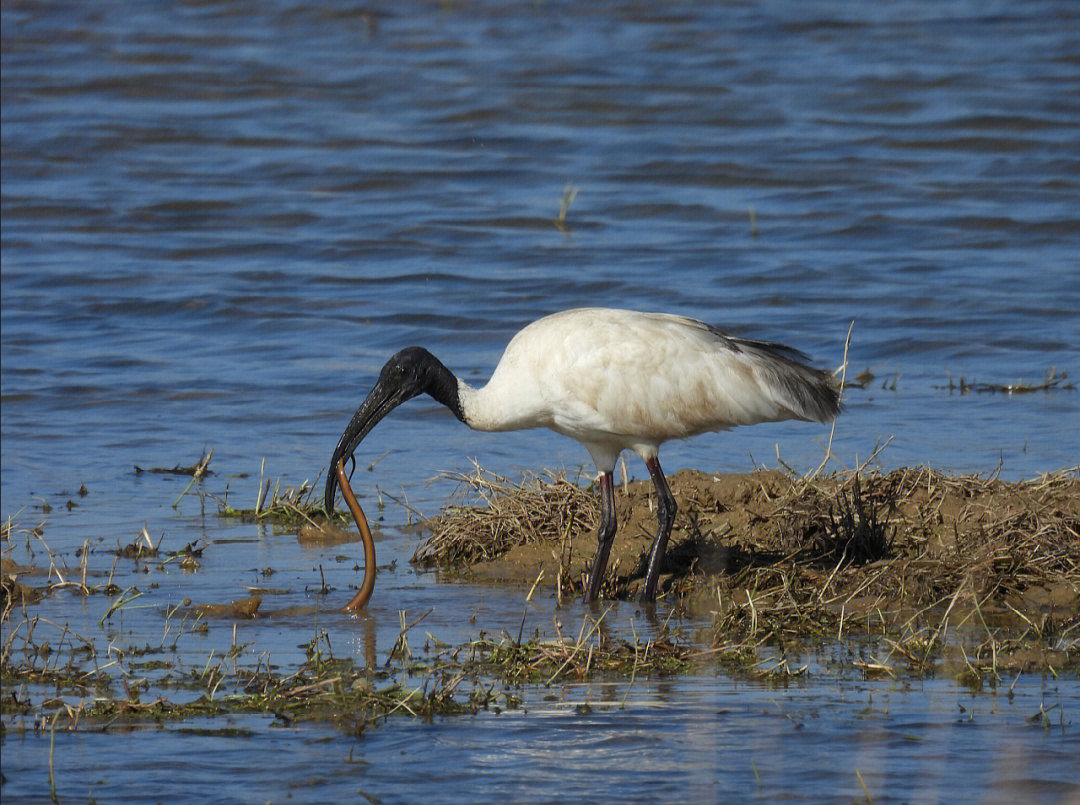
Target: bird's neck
[504,403]
[443,386]
[500,405]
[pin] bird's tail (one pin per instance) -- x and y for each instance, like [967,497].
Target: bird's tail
[808,393]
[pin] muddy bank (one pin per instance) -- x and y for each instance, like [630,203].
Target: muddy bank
[918,556]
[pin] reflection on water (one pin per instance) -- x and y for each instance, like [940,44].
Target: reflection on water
[219,219]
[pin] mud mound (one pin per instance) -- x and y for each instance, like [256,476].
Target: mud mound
[911,553]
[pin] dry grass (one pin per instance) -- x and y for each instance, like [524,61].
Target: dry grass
[540,509]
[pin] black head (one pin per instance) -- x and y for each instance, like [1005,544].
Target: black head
[409,373]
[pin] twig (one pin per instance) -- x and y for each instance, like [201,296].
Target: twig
[839,398]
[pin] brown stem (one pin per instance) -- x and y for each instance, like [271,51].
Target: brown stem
[364,593]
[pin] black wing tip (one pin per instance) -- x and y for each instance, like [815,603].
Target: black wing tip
[826,397]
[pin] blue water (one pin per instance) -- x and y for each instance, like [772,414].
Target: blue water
[219,219]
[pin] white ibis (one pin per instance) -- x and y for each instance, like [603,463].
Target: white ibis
[614,380]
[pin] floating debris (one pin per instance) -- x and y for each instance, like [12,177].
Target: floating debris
[1051,382]
[199,469]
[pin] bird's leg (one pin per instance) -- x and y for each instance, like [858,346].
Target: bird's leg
[605,537]
[665,515]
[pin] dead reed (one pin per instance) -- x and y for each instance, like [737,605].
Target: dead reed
[539,509]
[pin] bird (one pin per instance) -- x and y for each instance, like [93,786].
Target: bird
[613,380]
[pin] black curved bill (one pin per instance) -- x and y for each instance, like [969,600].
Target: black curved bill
[380,401]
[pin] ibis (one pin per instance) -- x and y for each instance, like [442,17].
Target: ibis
[613,380]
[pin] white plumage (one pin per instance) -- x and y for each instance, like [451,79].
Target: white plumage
[613,380]
[619,379]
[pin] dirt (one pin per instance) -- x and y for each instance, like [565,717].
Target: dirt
[324,534]
[242,609]
[12,590]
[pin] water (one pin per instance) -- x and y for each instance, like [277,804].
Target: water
[698,739]
[220,219]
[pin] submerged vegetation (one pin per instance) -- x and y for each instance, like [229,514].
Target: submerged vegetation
[80,688]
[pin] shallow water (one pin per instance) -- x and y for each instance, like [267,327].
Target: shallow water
[690,739]
[218,220]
